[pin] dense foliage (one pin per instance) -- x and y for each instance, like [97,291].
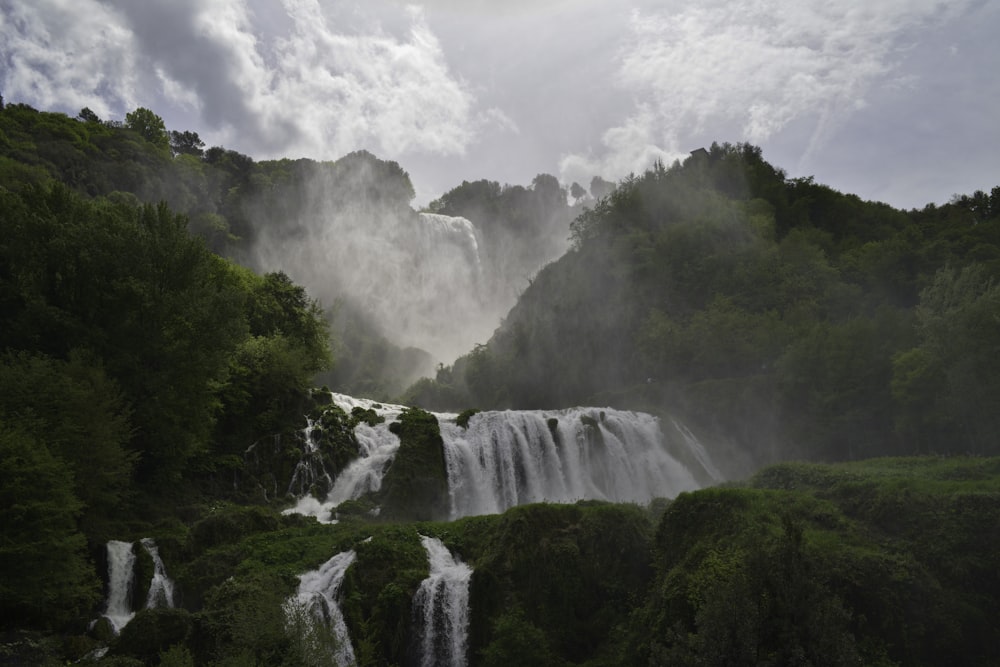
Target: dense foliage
[781,314]
[127,345]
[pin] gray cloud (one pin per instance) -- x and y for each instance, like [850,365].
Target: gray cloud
[67,55]
[318,89]
[757,65]
[466,89]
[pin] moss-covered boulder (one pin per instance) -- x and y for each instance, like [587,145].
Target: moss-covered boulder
[415,488]
[378,594]
[151,632]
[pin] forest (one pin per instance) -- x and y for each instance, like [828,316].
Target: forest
[839,358]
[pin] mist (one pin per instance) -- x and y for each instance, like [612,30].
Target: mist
[431,281]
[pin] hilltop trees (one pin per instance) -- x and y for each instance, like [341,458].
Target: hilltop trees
[777,312]
[149,126]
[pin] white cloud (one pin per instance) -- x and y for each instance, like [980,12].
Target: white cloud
[318,88]
[66,54]
[755,64]
[349,91]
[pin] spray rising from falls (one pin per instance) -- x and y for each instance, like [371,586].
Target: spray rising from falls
[441,608]
[418,277]
[317,597]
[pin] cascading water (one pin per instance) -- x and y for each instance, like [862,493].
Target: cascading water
[317,596]
[121,571]
[161,587]
[310,470]
[441,608]
[121,581]
[503,459]
[509,458]
[377,446]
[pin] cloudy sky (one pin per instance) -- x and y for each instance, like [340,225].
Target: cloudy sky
[895,100]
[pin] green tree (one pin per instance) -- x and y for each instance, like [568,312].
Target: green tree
[149,126]
[47,581]
[186,143]
[79,413]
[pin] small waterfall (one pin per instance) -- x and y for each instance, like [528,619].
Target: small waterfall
[317,597]
[441,608]
[377,446]
[510,458]
[697,450]
[161,587]
[121,572]
[121,582]
[310,470]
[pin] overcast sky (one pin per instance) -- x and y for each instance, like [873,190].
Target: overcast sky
[894,100]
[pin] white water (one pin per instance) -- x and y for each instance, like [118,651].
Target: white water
[121,581]
[310,469]
[161,587]
[441,608]
[121,570]
[317,596]
[510,458]
[377,447]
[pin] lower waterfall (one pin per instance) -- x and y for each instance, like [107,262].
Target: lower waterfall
[441,608]
[121,582]
[121,571]
[161,588]
[317,597]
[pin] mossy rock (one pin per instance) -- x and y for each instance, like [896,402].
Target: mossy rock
[102,630]
[151,632]
[463,417]
[354,510]
[334,437]
[75,647]
[380,586]
[229,524]
[415,488]
[369,416]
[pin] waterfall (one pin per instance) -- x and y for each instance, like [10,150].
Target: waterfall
[121,571]
[510,458]
[310,469]
[161,587]
[317,597]
[121,582]
[377,446]
[441,608]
